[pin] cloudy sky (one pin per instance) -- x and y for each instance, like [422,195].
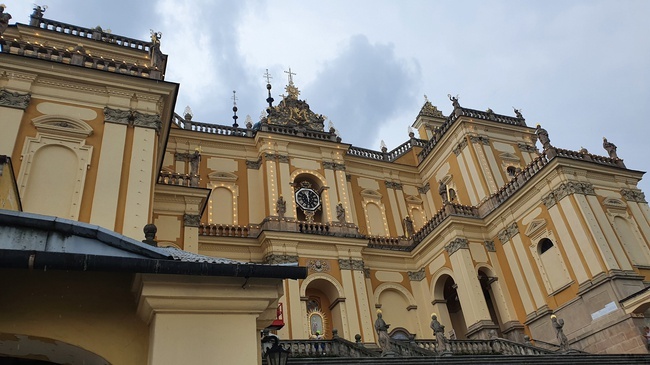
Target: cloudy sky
[579,68]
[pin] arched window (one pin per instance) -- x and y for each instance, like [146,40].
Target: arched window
[544,245]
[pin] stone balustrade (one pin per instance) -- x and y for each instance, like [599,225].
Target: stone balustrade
[88,33]
[223,130]
[228,230]
[174,178]
[338,347]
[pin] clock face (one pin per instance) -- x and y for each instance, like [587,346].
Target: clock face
[307,199]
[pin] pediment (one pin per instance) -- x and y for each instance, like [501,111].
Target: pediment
[614,203]
[506,156]
[535,226]
[413,200]
[222,176]
[368,193]
[62,125]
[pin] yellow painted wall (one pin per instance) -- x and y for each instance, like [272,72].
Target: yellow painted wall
[94,311]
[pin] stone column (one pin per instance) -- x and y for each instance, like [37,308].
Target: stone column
[421,294]
[255,187]
[272,183]
[394,206]
[348,266]
[470,293]
[141,173]
[284,185]
[109,170]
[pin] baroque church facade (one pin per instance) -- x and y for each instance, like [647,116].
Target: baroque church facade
[477,217]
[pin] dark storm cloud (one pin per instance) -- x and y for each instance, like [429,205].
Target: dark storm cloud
[362,88]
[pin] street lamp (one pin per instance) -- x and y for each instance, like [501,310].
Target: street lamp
[276,354]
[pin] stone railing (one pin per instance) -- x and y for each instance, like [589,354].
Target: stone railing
[336,347]
[298,132]
[390,243]
[512,186]
[313,228]
[576,155]
[449,209]
[89,33]
[274,223]
[472,113]
[228,230]
[174,178]
[497,346]
[365,153]
[391,156]
[478,114]
[441,131]
[223,130]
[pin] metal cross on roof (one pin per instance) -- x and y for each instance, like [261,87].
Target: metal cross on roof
[290,75]
[267,76]
[234,98]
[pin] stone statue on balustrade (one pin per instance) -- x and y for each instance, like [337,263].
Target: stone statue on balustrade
[340,213]
[281,207]
[558,324]
[442,190]
[154,51]
[610,148]
[408,226]
[454,101]
[36,17]
[439,333]
[4,19]
[382,333]
[542,134]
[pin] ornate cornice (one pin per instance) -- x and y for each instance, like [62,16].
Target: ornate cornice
[333,166]
[117,116]
[137,119]
[457,244]
[147,121]
[274,259]
[566,189]
[254,165]
[191,220]
[424,189]
[507,233]
[479,139]
[459,148]
[351,264]
[276,157]
[417,275]
[489,246]
[526,147]
[393,185]
[633,195]
[14,100]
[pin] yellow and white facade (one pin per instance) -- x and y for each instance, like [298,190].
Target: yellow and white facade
[471,221]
